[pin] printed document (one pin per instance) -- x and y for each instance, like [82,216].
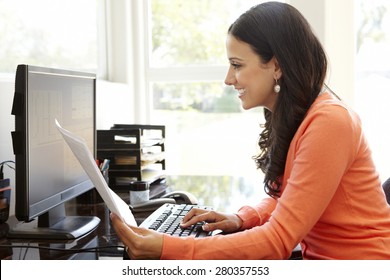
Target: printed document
[85,157]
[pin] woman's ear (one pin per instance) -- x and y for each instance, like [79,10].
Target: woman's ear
[277,71]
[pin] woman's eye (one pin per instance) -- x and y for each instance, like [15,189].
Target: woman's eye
[235,66]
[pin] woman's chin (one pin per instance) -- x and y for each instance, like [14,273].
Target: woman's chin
[246,106]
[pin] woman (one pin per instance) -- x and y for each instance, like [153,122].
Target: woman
[324,191]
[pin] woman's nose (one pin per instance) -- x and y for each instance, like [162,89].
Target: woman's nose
[230,79]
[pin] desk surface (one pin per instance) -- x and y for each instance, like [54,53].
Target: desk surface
[103,237]
[224,193]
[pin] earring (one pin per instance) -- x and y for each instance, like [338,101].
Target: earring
[277,86]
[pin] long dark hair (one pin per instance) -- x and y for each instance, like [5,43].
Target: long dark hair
[275,29]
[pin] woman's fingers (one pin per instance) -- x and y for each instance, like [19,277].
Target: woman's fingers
[140,243]
[196,216]
[192,213]
[214,221]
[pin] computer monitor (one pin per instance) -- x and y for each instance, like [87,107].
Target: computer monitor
[47,174]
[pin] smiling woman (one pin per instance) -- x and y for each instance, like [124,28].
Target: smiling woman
[319,197]
[50,33]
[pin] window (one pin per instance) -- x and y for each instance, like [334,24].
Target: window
[373,77]
[49,33]
[208,132]
[210,139]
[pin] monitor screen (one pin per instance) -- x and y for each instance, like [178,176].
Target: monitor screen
[47,173]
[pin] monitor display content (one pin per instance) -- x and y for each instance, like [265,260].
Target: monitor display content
[47,173]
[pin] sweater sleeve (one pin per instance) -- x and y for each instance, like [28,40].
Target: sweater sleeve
[312,175]
[257,215]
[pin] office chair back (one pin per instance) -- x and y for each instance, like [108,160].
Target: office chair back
[386,189]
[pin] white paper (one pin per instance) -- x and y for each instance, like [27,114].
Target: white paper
[85,157]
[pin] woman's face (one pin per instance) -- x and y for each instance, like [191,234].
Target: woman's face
[253,79]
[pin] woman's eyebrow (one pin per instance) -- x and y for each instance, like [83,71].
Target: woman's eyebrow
[235,58]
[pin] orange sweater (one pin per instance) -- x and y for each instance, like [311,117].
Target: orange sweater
[332,201]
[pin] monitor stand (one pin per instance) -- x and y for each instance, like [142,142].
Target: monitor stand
[54,224]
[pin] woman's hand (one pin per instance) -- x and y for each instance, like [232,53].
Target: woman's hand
[215,221]
[140,243]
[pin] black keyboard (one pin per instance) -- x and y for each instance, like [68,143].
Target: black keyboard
[167,218]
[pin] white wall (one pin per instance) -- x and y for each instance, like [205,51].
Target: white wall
[333,23]
[114,104]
